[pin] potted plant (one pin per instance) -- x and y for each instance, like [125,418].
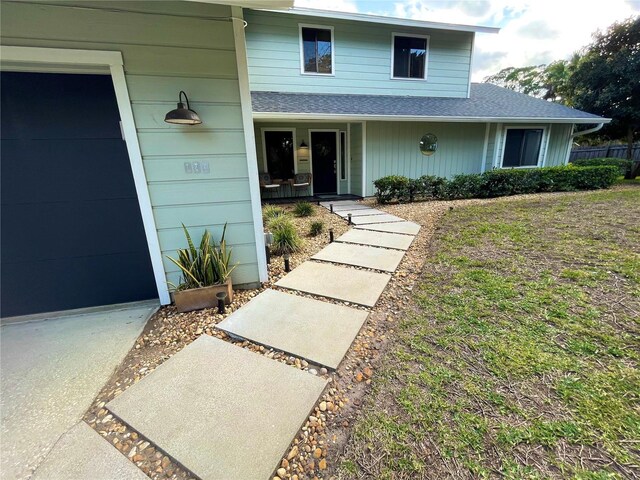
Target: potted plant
[205,271]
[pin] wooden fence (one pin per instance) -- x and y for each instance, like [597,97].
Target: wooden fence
[611,151]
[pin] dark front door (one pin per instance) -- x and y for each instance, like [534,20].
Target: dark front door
[324,155]
[71,228]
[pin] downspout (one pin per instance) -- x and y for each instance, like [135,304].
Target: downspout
[585,132]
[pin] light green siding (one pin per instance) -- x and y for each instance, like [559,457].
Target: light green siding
[356,158]
[167,47]
[559,140]
[362,58]
[491,147]
[392,149]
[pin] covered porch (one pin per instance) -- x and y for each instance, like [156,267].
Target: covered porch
[309,160]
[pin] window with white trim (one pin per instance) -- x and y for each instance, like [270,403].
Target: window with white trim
[522,147]
[316,44]
[409,56]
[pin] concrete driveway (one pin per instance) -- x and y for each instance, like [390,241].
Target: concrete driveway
[51,370]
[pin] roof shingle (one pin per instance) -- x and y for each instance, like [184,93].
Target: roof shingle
[487,102]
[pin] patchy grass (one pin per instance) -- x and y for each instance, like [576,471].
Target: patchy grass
[520,359]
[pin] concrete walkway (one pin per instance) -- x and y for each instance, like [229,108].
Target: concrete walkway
[51,372]
[224,412]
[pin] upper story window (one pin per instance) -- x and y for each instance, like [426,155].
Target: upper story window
[409,56]
[316,49]
[522,147]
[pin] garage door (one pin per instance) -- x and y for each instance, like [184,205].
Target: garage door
[71,229]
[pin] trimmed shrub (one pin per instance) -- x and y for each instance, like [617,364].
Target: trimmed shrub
[285,236]
[303,209]
[497,183]
[622,163]
[269,212]
[316,228]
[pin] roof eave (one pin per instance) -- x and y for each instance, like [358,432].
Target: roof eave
[404,22]
[412,118]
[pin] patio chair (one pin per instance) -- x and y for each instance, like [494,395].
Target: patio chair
[267,184]
[301,181]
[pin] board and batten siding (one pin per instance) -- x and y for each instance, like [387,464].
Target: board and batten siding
[356,159]
[392,149]
[559,140]
[167,47]
[362,58]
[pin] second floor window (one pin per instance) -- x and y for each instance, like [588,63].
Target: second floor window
[317,50]
[409,57]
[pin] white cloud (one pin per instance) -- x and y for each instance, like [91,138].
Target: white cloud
[533,31]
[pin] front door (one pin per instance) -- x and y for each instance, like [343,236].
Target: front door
[324,156]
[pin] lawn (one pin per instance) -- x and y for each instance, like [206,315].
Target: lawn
[520,358]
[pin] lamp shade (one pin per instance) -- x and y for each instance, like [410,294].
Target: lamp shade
[183,115]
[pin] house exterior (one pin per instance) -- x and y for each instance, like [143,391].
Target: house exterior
[96,186]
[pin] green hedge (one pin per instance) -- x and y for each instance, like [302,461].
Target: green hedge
[622,163]
[496,183]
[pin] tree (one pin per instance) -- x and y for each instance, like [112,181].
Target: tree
[548,82]
[606,80]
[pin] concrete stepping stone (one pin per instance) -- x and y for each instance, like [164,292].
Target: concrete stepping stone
[82,453]
[361,256]
[376,239]
[407,228]
[357,206]
[359,212]
[341,283]
[367,219]
[339,202]
[317,331]
[221,410]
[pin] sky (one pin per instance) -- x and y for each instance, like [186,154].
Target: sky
[532,31]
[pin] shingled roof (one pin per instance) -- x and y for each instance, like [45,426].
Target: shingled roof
[487,103]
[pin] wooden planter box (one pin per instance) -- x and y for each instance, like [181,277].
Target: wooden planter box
[205,297]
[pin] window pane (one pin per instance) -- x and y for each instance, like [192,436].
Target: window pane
[401,48]
[418,54]
[512,148]
[343,155]
[316,46]
[409,56]
[309,49]
[522,147]
[324,51]
[531,148]
[279,149]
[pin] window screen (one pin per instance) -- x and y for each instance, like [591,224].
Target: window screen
[409,57]
[316,47]
[522,147]
[279,149]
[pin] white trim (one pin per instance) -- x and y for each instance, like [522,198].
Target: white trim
[403,22]
[333,50]
[473,51]
[70,57]
[364,159]
[483,166]
[426,54]
[543,142]
[546,145]
[496,145]
[570,144]
[339,117]
[337,132]
[249,140]
[263,130]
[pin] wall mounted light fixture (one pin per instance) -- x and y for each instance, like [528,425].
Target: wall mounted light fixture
[183,115]
[303,151]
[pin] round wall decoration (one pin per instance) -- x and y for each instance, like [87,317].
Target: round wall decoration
[428,144]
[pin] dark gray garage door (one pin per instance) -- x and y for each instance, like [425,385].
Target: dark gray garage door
[71,232]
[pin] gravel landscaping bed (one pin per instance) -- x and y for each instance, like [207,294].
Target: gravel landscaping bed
[314,452]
